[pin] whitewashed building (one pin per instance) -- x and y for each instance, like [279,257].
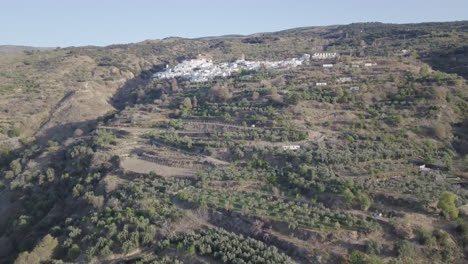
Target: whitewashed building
[423,168]
[321,84]
[327,65]
[344,79]
[291,147]
[324,55]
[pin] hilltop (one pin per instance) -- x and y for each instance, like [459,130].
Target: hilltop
[339,144]
[12,49]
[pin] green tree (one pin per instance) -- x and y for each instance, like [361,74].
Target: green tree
[227,117]
[424,71]
[348,196]
[220,92]
[5,155]
[357,257]
[186,104]
[447,205]
[348,59]
[373,247]
[73,251]
[239,153]
[50,174]
[244,102]
[191,250]
[293,98]
[255,96]
[15,166]
[365,201]
[373,259]
[339,92]
[104,138]
[270,110]
[9,175]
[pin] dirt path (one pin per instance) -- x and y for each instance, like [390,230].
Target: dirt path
[131,129]
[143,166]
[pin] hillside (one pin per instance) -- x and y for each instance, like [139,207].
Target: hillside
[339,144]
[12,49]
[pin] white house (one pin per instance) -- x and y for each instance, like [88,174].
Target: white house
[322,56]
[291,147]
[355,66]
[321,84]
[423,168]
[327,65]
[354,89]
[368,65]
[344,79]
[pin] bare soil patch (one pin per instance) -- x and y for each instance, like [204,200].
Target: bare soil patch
[143,166]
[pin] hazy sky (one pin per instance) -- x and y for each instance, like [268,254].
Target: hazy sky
[102,22]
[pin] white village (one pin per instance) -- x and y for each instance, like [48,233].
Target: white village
[202,70]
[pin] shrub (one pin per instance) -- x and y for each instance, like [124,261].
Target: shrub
[104,138]
[357,257]
[182,196]
[9,175]
[6,156]
[14,132]
[447,205]
[427,239]
[405,249]
[348,196]
[373,247]
[15,167]
[227,117]
[364,201]
[220,93]
[50,174]
[73,251]
[255,96]
[373,259]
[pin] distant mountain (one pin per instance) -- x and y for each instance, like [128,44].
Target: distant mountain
[12,49]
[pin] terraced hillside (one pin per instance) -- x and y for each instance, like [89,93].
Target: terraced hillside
[356,158]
